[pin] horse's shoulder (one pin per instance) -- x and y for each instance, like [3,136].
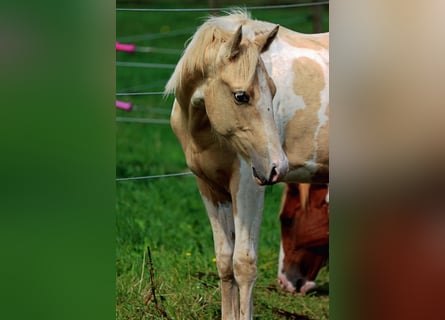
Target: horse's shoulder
[198,141]
[177,122]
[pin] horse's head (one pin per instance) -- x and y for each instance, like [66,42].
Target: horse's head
[237,94]
[304,236]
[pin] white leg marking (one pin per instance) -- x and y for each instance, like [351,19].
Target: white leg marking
[248,215]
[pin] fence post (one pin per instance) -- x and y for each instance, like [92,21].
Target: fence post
[213,4]
[317,12]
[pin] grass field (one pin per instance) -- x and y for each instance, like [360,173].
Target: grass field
[167,214]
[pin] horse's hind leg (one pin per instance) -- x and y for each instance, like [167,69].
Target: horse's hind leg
[221,219]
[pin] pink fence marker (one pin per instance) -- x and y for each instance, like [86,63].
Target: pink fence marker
[125,47]
[124,105]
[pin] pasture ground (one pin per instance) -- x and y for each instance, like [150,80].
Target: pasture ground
[167,214]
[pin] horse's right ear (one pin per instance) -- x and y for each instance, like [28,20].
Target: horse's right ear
[264,40]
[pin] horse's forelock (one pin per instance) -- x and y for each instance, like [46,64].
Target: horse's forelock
[203,47]
[194,63]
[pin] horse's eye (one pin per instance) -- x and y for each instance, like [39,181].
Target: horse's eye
[241,97]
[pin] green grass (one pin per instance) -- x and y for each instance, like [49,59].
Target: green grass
[167,214]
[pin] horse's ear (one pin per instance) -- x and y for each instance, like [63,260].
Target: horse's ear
[264,40]
[197,100]
[233,43]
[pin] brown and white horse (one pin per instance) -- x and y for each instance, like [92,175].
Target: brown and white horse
[251,109]
[304,249]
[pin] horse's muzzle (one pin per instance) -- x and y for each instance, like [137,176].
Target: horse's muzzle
[270,172]
[271,179]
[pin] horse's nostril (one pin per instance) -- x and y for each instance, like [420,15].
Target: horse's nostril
[261,180]
[273,175]
[255,174]
[299,284]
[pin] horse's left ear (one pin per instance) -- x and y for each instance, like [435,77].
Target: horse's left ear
[264,40]
[234,43]
[197,100]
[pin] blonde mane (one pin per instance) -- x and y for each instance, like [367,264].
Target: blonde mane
[203,47]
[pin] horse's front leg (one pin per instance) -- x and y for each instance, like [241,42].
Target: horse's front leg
[248,200]
[219,210]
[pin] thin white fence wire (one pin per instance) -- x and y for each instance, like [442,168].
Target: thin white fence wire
[282,6]
[170,34]
[188,173]
[139,93]
[143,120]
[144,65]
[157,50]
[151,110]
[152,36]
[153,85]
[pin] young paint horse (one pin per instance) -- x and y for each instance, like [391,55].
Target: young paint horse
[251,110]
[304,249]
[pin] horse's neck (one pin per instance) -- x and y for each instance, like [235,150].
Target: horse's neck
[299,67]
[294,60]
